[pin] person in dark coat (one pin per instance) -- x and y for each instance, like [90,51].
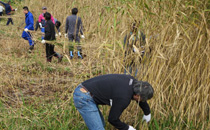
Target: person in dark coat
[29,20]
[72,30]
[8,9]
[50,36]
[115,90]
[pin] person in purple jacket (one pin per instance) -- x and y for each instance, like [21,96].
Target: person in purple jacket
[29,20]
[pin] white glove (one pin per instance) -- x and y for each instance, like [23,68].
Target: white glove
[16,9]
[26,29]
[131,128]
[146,118]
[40,24]
[66,35]
[43,41]
[82,36]
[59,33]
[56,34]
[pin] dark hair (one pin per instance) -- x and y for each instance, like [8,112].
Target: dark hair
[25,8]
[47,16]
[9,2]
[58,23]
[144,90]
[74,11]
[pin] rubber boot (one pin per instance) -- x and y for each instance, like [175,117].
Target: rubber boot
[71,54]
[79,55]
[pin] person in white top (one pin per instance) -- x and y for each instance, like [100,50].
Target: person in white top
[1,11]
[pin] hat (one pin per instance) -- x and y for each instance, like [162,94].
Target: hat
[44,8]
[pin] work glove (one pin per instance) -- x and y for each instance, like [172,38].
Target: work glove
[26,29]
[16,9]
[56,34]
[43,41]
[40,25]
[82,36]
[146,118]
[66,35]
[131,128]
[59,33]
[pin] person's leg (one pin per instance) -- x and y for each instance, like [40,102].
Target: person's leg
[8,21]
[79,48]
[102,118]
[60,57]
[71,46]
[88,109]
[11,21]
[48,52]
[42,30]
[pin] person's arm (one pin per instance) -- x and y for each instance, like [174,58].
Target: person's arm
[145,107]
[40,18]
[3,3]
[67,25]
[81,26]
[31,22]
[116,110]
[53,20]
[58,29]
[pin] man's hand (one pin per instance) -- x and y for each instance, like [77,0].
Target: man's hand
[59,33]
[26,29]
[82,36]
[56,34]
[131,128]
[66,35]
[146,118]
[40,25]
[43,41]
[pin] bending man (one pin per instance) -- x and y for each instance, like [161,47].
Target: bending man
[116,90]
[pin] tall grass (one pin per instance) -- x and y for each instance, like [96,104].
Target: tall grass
[38,95]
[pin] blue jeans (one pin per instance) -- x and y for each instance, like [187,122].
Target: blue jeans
[88,109]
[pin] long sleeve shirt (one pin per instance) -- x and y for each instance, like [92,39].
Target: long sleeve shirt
[74,25]
[49,30]
[8,8]
[115,90]
[29,20]
[42,19]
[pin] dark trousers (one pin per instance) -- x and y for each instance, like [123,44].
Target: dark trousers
[74,37]
[1,13]
[50,52]
[9,21]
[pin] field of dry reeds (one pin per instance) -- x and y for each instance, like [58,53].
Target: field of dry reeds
[35,94]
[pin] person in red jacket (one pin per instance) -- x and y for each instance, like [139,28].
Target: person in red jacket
[42,21]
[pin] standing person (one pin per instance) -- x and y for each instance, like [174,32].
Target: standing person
[137,38]
[8,9]
[50,35]
[1,11]
[116,90]
[29,20]
[73,27]
[42,20]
